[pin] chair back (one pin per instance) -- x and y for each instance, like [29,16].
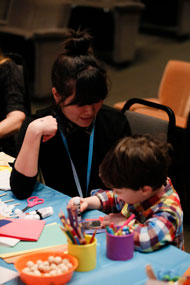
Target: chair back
[142,124]
[33,15]
[20,62]
[5,6]
[174,89]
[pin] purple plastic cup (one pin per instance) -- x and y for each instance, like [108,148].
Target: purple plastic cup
[119,247]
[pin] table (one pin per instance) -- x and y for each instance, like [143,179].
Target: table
[130,272]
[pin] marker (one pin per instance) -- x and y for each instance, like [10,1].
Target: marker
[93,236]
[125,224]
[110,230]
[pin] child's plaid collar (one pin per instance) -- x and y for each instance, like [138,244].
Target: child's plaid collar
[140,207]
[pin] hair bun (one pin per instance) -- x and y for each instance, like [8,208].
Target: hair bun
[77,43]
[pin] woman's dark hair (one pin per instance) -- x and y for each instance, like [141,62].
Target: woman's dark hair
[135,162]
[77,70]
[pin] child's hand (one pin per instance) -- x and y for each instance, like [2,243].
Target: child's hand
[83,204]
[116,218]
[91,202]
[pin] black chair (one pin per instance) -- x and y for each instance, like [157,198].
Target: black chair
[186,170]
[19,60]
[179,138]
[142,124]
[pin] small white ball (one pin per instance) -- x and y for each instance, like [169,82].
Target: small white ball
[26,270]
[46,274]
[53,266]
[58,259]
[46,263]
[34,267]
[30,263]
[51,259]
[46,268]
[37,272]
[41,267]
[52,272]
[69,265]
[39,261]
[65,260]
[58,271]
[63,267]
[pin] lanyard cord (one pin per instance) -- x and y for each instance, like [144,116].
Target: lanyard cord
[90,153]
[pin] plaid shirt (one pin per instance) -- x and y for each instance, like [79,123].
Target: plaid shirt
[158,220]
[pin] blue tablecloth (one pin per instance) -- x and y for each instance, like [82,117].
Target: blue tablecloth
[107,271]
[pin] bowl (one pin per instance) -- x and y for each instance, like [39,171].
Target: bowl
[31,279]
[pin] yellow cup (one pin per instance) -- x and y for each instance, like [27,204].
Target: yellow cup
[86,254]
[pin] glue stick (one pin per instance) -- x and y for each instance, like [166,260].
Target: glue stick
[77,205]
[43,213]
[37,214]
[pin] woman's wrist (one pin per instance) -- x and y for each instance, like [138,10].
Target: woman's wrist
[33,131]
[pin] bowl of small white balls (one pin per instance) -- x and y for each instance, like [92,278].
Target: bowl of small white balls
[46,267]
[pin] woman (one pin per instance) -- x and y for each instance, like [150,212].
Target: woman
[68,142]
[12,111]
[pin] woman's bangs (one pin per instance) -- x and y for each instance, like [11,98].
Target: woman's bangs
[90,89]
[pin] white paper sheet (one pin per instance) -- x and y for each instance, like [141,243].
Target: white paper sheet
[7,275]
[5,159]
[4,179]
[7,241]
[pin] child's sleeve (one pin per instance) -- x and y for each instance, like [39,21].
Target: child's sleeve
[109,201]
[161,229]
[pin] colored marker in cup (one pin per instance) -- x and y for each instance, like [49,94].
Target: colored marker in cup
[125,224]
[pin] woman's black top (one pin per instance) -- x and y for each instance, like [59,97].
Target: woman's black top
[54,162]
[11,98]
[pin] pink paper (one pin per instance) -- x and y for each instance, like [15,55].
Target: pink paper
[23,229]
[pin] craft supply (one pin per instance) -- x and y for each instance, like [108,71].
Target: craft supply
[93,236]
[37,214]
[3,194]
[7,275]
[86,254]
[7,241]
[53,265]
[72,228]
[125,224]
[22,229]
[77,205]
[6,210]
[7,201]
[5,178]
[48,267]
[43,212]
[90,225]
[33,201]
[119,247]
[51,236]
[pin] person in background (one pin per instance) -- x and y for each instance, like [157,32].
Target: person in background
[12,109]
[69,140]
[136,171]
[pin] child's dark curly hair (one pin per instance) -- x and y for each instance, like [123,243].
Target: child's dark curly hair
[135,162]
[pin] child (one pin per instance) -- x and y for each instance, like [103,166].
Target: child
[136,170]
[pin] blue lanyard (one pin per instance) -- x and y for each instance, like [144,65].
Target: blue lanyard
[90,153]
